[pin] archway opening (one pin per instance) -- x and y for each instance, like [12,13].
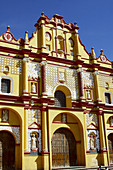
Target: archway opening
[63,148]
[110,144]
[7,151]
[60,99]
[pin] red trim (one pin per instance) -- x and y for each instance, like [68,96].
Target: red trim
[92,124]
[78,141]
[102,151]
[4,121]
[65,108]
[35,124]
[66,122]
[29,153]
[12,104]
[11,125]
[45,152]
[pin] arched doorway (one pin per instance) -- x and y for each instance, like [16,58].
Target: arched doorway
[7,151]
[110,143]
[63,148]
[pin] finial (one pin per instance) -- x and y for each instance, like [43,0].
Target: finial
[8,28]
[42,13]
[26,37]
[93,53]
[101,52]
[75,23]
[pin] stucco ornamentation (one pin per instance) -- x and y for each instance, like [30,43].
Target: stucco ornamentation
[34,70]
[91,118]
[14,130]
[34,115]
[88,79]
[52,80]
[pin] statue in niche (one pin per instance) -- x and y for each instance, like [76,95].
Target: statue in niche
[88,94]
[5,115]
[33,88]
[92,142]
[33,142]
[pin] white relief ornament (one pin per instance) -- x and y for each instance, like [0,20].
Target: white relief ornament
[88,79]
[34,70]
[8,37]
[103,58]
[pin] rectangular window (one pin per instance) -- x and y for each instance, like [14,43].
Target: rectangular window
[5,86]
[107,98]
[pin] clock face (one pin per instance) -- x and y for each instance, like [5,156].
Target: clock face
[8,36]
[103,58]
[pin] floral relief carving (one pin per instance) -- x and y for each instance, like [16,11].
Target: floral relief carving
[34,70]
[88,79]
[91,118]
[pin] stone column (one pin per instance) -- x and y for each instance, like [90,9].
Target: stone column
[79,70]
[43,67]
[77,48]
[96,83]
[102,139]
[25,76]
[45,152]
[53,43]
[64,46]
[67,50]
[26,131]
[43,47]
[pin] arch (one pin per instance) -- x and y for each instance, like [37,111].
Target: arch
[8,108]
[67,93]
[7,150]
[15,129]
[64,89]
[63,148]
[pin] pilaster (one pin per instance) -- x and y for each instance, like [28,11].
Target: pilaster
[102,140]
[25,130]
[79,70]
[43,68]
[45,152]
[96,82]
[25,76]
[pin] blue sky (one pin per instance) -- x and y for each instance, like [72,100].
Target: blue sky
[94,17]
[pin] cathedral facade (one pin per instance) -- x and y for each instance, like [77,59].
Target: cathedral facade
[56,100]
